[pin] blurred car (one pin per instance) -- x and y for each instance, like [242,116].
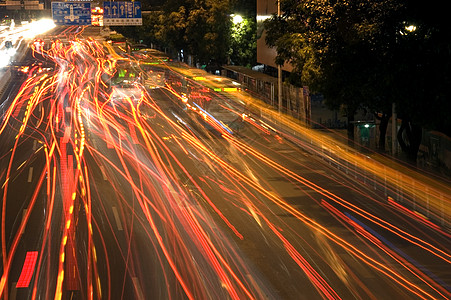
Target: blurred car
[154,79]
[38,45]
[28,68]
[122,91]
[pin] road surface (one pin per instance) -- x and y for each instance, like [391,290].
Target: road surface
[112,189]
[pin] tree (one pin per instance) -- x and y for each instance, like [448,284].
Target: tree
[360,53]
[173,28]
[243,46]
[147,32]
[199,27]
[333,45]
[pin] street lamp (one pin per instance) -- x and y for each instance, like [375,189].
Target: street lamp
[408,28]
[411,28]
[237,19]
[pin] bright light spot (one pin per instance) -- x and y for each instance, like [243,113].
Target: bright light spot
[411,28]
[38,27]
[408,29]
[11,51]
[4,59]
[17,34]
[261,18]
[237,19]
[230,89]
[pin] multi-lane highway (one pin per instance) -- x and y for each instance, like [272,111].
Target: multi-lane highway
[128,176]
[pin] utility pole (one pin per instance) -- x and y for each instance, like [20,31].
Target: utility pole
[279,71]
[394,129]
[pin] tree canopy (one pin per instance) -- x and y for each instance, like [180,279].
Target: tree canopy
[201,28]
[370,53]
[243,45]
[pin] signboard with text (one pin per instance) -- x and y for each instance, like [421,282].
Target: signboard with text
[71,13]
[121,13]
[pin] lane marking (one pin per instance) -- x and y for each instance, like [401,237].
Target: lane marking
[139,292]
[116,217]
[102,169]
[30,174]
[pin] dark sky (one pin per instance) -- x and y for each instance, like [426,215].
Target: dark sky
[246,7]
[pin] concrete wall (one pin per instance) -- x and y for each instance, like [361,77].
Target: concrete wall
[266,55]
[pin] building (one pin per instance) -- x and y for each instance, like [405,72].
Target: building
[266,55]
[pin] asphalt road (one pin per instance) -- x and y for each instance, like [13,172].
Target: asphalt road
[184,192]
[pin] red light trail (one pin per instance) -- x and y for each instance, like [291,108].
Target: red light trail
[123,175]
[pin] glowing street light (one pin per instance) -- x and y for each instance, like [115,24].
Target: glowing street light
[237,19]
[411,28]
